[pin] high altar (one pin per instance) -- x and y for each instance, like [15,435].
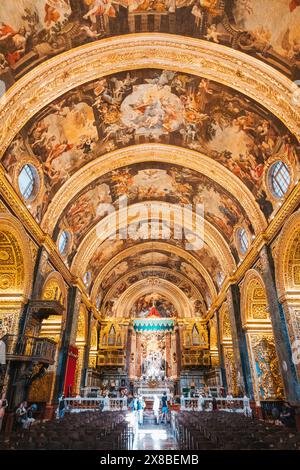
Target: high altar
[155,352]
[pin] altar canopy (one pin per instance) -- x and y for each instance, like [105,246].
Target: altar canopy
[153,324]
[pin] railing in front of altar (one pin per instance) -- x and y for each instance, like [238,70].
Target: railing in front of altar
[237,405]
[78,404]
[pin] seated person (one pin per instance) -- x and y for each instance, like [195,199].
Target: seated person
[287,415]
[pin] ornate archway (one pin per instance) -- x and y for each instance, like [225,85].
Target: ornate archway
[260,339]
[287,270]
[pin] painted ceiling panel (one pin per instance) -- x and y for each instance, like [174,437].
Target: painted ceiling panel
[145,106]
[32,31]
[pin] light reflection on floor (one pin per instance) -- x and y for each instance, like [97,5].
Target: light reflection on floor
[149,437]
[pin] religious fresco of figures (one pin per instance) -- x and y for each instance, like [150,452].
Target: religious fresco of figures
[142,307]
[147,181]
[198,305]
[35,30]
[110,248]
[156,259]
[154,106]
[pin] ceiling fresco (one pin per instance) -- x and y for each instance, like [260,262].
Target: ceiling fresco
[110,248]
[156,259]
[116,290]
[85,145]
[141,308]
[145,106]
[32,31]
[155,182]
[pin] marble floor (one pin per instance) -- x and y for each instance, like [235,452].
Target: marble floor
[153,437]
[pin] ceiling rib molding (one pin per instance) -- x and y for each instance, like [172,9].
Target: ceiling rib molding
[153,153]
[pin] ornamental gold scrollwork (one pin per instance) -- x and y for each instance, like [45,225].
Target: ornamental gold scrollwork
[268,378]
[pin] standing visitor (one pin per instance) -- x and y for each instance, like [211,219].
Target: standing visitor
[156,408]
[247,407]
[21,415]
[214,404]
[106,402]
[140,407]
[3,405]
[29,416]
[287,416]
[61,407]
[164,408]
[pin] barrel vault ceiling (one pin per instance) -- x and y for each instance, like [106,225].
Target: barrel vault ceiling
[152,134]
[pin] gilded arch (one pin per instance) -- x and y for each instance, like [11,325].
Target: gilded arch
[152,153]
[176,296]
[16,253]
[115,221]
[287,271]
[153,246]
[202,58]
[260,339]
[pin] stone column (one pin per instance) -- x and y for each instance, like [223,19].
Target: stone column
[173,356]
[168,354]
[280,331]
[221,355]
[132,353]
[241,357]
[138,356]
[85,365]
[178,350]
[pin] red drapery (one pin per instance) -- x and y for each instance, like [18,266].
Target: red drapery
[70,371]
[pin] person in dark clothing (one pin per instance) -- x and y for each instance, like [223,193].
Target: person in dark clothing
[287,416]
[214,404]
[164,407]
[21,415]
[61,407]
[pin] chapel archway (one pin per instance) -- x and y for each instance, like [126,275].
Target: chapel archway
[261,346]
[227,351]
[16,271]
[54,289]
[287,270]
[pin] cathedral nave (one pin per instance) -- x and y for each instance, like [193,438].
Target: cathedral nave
[149,225]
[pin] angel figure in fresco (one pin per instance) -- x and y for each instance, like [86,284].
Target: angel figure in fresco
[6,31]
[15,42]
[56,10]
[213,34]
[54,154]
[103,9]
[246,5]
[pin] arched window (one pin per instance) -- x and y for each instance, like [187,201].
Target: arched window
[87,279]
[28,182]
[195,336]
[63,242]
[112,336]
[104,339]
[280,179]
[243,241]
